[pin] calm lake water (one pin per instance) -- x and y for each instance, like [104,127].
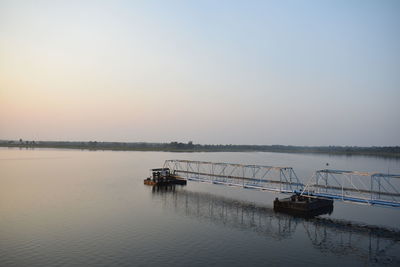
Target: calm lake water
[90,208]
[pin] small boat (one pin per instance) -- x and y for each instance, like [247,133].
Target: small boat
[163,176]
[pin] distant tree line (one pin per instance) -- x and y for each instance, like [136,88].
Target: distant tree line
[389,151]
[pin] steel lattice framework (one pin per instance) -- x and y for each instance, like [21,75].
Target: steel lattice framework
[278,179]
[353,186]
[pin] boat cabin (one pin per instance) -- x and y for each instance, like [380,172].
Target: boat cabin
[160,173]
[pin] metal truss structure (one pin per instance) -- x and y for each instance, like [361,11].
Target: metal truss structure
[356,187]
[351,186]
[278,179]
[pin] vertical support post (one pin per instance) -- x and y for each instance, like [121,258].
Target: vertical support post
[342,188]
[372,187]
[326,182]
[212,172]
[379,187]
[242,175]
[187,170]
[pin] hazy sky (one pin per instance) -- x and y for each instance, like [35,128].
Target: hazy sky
[240,72]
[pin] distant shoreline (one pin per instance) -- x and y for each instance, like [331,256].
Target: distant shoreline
[390,151]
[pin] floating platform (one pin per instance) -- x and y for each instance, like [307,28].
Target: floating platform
[163,177]
[171,181]
[304,205]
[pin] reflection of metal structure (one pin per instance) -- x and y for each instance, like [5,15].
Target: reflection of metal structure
[355,187]
[372,244]
[279,179]
[359,187]
[233,213]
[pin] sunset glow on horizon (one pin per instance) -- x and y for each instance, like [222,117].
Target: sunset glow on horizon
[222,72]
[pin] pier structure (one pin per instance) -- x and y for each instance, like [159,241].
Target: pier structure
[270,178]
[349,186]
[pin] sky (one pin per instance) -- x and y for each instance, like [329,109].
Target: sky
[212,72]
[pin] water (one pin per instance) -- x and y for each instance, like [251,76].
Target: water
[90,208]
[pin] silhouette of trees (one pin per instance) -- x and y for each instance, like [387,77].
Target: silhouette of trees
[390,151]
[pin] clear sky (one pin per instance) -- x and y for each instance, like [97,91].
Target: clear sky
[229,72]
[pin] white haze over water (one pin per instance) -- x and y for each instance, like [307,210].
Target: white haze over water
[240,72]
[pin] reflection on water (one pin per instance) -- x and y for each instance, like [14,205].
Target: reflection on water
[86,208]
[377,244]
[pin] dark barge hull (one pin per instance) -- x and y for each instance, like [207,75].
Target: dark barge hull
[172,181]
[304,206]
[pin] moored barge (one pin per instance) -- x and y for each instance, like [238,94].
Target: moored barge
[163,176]
[304,205]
